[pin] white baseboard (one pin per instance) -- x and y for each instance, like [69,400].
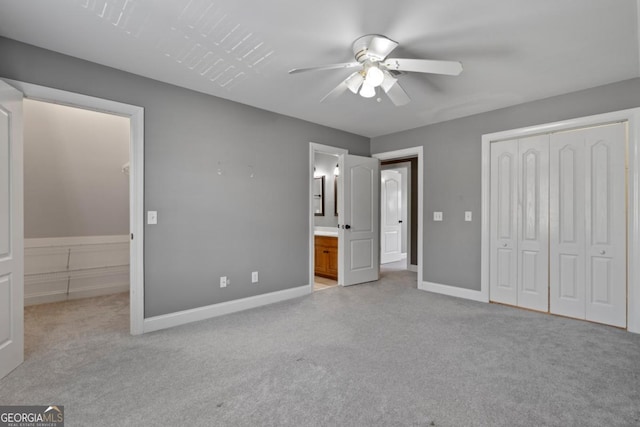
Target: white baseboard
[454,291]
[412,267]
[202,313]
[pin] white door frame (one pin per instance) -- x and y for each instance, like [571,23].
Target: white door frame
[632,116]
[407,153]
[340,152]
[136,179]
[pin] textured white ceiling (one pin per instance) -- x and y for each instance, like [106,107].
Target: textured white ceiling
[513,51]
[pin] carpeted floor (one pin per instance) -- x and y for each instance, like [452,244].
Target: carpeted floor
[378,354]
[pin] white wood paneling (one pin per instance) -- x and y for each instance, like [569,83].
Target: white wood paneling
[57,269]
[533,223]
[361,243]
[391,216]
[519,222]
[11,230]
[567,269]
[588,224]
[605,221]
[504,222]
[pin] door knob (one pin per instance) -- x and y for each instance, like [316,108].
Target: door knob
[504,245]
[602,252]
[347,227]
[400,222]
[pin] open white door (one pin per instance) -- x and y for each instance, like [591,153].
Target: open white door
[391,216]
[11,231]
[360,245]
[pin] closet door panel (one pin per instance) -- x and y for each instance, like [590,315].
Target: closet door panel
[504,207]
[533,223]
[566,225]
[605,221]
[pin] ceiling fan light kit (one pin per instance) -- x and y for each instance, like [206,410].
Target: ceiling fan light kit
[371,53]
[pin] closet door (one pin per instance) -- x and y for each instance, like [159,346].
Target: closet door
[605,220]
[504,222]
[588,224]
[533,223]
[566,225]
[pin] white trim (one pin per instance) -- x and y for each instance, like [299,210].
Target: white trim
[202,313]
[412,152]
[326,149]
[412,267]
[136,178]
[454,291]
[632,116]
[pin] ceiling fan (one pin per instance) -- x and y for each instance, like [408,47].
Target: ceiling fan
[376,70]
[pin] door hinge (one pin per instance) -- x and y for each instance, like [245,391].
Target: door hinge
[131,236]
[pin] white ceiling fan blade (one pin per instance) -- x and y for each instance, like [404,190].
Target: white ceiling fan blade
[381,47]
[354,81]
[394,91]
[336,92]
[451,68]
[325,67]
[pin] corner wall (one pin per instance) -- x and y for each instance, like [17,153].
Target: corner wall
[452,171]
[209,224]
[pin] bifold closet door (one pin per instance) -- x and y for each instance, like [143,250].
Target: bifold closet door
[503,268]
[519,222]
[588,224]
[533,223]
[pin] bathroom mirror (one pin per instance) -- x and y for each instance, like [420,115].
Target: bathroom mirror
[335,196]
[318,196]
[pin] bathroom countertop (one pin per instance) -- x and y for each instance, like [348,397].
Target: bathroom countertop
[326,231]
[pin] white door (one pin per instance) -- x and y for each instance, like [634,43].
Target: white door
[11,231]
[391,216]
[588,224]
[566,225]
[360,243]
[533,223]
[504,223]
[605,223]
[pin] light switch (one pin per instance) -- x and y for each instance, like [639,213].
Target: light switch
[437,216]
[152,217]
[467,216]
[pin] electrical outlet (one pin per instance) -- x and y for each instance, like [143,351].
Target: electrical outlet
[254,277]
[223,281]
[437,216]
[467,216]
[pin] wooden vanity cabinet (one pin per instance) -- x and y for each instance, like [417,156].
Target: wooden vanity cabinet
[326,257]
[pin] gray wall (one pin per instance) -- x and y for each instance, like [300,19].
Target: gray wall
[209,225]
[452,171]
[73,180]
[325,165]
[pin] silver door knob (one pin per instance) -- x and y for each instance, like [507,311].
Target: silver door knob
[602,252]
[504,245]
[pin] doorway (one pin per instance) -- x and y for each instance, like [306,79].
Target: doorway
[358,198]
[326,172]
[403,225]
[76,205]
[324,241]
[135,180]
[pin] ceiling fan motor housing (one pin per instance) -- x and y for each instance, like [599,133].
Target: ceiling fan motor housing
[361,48]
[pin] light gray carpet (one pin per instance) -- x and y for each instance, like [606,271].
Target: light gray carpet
[379,354]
